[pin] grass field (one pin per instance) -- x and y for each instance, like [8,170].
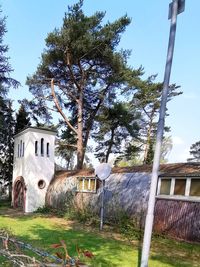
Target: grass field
[110,249]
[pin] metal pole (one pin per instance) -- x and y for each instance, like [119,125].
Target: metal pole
[159,137]
[102,205]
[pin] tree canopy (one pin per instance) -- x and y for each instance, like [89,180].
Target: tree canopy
[79,70]
[195,152]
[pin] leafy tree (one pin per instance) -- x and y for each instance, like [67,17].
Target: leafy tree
[79,69]
[117,125]
[195,152]
[22,119]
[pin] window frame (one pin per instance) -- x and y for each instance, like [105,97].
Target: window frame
[89,178]
[186,196]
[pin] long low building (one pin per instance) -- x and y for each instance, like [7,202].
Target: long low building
[177,210]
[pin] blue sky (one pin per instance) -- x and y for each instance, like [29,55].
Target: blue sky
[28,23]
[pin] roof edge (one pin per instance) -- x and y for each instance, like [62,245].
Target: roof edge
[26,129]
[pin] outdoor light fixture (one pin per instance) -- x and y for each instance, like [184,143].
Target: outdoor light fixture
[102,171]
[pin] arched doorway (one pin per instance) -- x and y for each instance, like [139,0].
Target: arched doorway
[19,193]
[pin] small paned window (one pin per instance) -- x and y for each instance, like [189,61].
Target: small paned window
[165,186]
[179,188]
[47,149]
[42,147]
[36,148]
[86,184]
[195,188]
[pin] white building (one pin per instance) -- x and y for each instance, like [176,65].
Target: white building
[33,167]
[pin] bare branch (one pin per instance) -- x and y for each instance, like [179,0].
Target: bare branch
[59,107]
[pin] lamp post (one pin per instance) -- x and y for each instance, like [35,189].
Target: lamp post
[176,7]
[102,171]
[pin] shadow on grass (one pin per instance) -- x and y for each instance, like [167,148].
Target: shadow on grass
[106,251]
[41,233]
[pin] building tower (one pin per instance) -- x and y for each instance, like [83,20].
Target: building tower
[33,167]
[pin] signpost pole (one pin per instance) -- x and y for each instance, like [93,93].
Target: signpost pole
[176,7]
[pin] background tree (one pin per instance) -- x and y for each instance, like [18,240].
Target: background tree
[84,67]
[22,119]
[148,98]
[195,152]
[7,145]
[66,148]
[117,125]
[6,113]
[5,69]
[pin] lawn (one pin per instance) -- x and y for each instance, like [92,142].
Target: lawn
[109,249]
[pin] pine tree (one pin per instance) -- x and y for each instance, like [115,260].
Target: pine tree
[117,125]
[6,113]
[79,69]
[22,119]
[5,69]
[148,98]
[195,152]
[7,146]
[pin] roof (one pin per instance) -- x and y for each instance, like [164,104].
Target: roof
[171,169]
[36,129]
[166,170]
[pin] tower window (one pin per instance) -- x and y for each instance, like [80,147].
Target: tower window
[36,148]
[47,149]
[20,154]
[41,184]
[42,147]
[23,149]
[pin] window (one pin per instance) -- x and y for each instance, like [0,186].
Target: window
[20,153]
[36,148]
[179,188]
[86,184]
[165,186]
[42,147]
[23,149]
[47,149]
[41,184]
[184,187]
[195,188]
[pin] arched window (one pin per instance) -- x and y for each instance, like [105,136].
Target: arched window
[47,149]
[42,147]
[20,149]
[36,148]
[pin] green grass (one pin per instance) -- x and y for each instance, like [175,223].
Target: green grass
[42,231]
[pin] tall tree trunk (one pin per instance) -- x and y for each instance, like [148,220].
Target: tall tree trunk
[111,144]
[80,148]
[149,133]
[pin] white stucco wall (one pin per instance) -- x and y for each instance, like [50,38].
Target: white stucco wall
[34,168]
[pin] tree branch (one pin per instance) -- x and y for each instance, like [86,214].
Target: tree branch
[59,107]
